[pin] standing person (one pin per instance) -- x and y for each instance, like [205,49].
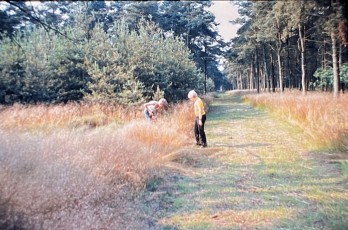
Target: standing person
[199,120]
[152,108]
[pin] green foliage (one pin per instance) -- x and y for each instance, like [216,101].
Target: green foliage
[12,70]
[103,64]
[132,93]
[130,66]
[195,24]
[165,62]
[158,94]
[122,65]
[268,40]
[326,76]
[344,73]
[210,85]
[39,67]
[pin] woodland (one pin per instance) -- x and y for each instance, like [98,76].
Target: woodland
[128,52]
[77,153]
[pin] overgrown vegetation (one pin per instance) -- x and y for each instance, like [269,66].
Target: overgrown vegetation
[325,78]
[76,152]
[123,66]
[102,52]
[323,118]
[62,166]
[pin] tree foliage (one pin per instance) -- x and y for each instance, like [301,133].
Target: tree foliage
[325,77]
[121,65]
[40,67]
[282,44]
[115,51]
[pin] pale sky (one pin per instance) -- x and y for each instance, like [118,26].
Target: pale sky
[224,12]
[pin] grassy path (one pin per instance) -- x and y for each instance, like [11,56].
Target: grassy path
[253,175]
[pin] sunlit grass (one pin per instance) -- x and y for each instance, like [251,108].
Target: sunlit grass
[323,118]
[79,165]
[70,115]
[254,175]
[237,158]
[344,168]
[245,219]
[278,156]
[253,218]
[328,197]
[197,220]
[266,178]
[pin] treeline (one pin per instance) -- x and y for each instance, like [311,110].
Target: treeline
[290,44]
[119,52]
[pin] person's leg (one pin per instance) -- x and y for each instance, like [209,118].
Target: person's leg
[202,132]
[147,115]
[196,132]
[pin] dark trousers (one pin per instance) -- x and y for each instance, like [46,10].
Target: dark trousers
[199,131]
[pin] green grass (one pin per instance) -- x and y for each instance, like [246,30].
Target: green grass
[344,168]
[257,174]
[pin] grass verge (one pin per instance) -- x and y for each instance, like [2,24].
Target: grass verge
[256,174]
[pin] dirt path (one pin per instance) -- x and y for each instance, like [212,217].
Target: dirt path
[253,175]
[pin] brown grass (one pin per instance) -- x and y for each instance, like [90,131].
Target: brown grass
[73,114]
[59,171]
[322,117]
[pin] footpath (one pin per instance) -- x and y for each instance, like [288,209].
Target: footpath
[255,174]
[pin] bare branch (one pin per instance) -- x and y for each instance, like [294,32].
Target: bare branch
[39,21]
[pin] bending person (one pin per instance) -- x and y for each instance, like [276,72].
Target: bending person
[152,108]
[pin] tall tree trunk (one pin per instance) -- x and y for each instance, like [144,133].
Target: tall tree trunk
[262,79]
[251,77]
[205,68]
[273,77]
[239,80]
[280,75]
[339,67]
[289,68]
[267,80]
[336,77]
[323,65]
[257,70]
[205,76]
[279,58]
[323,62]
[302,50]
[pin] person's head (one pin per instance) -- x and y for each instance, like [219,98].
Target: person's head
[192,95]
[163,103]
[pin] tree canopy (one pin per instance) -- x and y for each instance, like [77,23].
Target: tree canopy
[106,51]
[289,44]
[129,51]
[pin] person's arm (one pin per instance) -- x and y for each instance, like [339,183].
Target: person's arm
[151,103]
[199,113]
[200,117]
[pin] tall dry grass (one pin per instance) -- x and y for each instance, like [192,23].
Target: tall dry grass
[73,114]
[73,176]
[322,117]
